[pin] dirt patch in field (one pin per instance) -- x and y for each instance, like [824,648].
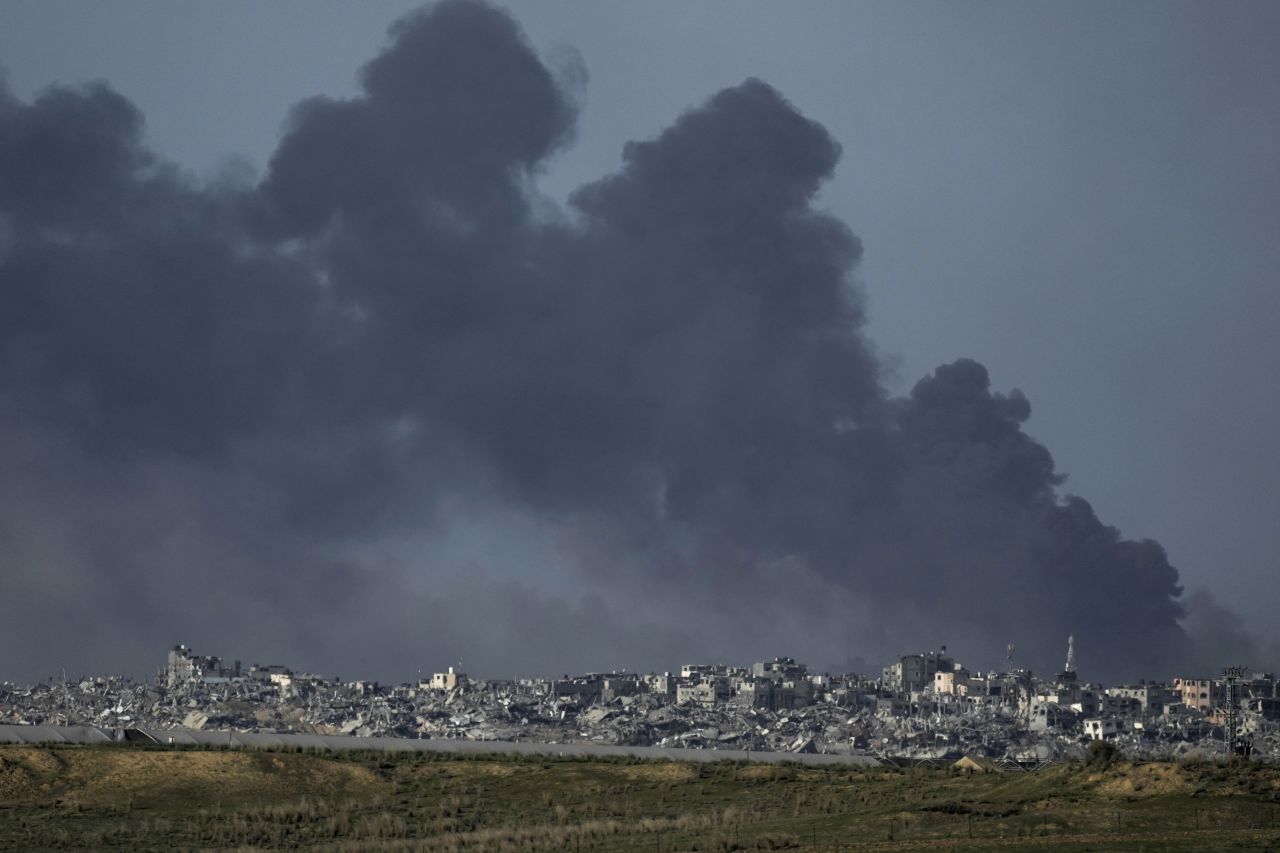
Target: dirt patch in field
[149,779]
[645,771]
[662,772]
[37,759]
[27,773]
[1145,780]
[494,769]
[764,773]
[17,781]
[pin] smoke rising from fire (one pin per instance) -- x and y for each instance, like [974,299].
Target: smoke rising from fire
[220,402]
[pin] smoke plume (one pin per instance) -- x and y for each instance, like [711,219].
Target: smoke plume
[273,417]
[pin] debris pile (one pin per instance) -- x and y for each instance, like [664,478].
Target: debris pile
[777,706]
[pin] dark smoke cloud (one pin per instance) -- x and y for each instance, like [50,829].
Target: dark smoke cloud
[1219,636]
[220,401]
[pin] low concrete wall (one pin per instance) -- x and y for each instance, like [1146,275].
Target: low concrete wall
[255,740]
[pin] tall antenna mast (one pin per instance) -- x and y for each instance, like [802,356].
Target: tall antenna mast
[1232,674]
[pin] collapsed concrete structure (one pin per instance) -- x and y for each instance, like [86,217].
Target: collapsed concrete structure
[925,706]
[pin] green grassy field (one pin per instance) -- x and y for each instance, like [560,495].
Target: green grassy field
[165,799]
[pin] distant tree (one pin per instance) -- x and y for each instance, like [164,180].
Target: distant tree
[1102,754]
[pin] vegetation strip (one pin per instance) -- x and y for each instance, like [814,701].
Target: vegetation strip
[162,798]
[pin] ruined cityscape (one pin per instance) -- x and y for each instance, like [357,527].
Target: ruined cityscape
[926,706]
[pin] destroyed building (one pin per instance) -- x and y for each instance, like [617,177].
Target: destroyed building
[183,667]
[913,673]
[926,706]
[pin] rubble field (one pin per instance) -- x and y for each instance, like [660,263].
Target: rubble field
[924,707]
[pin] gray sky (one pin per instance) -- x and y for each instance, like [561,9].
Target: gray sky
[1084,197]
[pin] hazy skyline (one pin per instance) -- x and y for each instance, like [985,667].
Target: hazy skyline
[1082,198]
